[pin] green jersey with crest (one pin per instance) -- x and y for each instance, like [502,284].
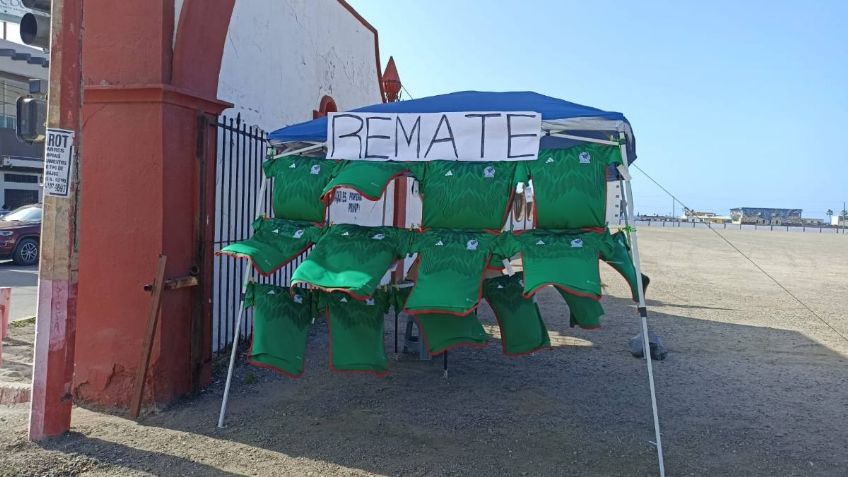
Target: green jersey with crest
[281,319]
[356,332]
[565,259]
[274,243]
[519,320]
[467,195]
[298,185]
[450,269]
[570,186]
[352,258]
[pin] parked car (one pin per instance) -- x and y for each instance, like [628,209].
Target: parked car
[20,232]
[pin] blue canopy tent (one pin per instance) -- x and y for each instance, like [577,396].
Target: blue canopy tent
[563,124]
[558,116]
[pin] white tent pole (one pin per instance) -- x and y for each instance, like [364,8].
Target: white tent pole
[260,205]
[584,139]
[643,310]
[299,151]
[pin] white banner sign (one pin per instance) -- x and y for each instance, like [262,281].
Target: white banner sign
[461,136]
[58,162]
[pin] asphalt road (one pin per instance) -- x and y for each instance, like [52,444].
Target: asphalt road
[24,283]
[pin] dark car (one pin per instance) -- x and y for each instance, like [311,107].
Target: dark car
[20,232]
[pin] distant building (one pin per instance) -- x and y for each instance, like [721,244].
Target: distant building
[765,216]
[704,217]
[21,164]
[812,222]
[839,221]
[656,218]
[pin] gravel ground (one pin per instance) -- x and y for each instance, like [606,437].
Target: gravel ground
[754,384]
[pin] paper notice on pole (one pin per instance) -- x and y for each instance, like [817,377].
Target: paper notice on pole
[58,162]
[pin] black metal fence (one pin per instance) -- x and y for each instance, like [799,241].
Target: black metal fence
[241,150]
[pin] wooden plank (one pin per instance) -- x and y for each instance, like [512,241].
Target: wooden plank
[147,344]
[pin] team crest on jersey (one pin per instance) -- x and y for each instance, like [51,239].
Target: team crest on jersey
[369,302]
[343,300]
[540,242]
[471,245]
[500,286]
[577,243]
[378,237]
[550,160]
[345,234]
[585,158]
[292,165]
[298,233]
[439,243]
[297,299]
[448,173]
[272,292]
[489,172]
[316,169]
[276,231]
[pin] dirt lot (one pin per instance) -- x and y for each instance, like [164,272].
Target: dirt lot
[753,385]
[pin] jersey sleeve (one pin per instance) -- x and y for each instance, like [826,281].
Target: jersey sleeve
[505,246]
[614,156]
[249,295]
[270,166]
[522,172]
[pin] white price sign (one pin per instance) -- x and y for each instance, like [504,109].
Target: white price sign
[58,162]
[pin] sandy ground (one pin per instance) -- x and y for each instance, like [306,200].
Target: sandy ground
[753,385]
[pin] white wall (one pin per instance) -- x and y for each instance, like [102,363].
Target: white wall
[282,56]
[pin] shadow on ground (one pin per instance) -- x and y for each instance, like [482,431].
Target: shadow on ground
[731,397]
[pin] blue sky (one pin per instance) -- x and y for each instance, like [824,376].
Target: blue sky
[733,103]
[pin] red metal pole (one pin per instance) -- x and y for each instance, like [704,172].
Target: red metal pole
[53,363]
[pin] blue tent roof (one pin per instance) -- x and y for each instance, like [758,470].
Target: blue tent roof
[551,108]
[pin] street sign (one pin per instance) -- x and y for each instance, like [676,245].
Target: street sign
[58,162]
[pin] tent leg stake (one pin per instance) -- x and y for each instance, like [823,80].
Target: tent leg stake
[643,311]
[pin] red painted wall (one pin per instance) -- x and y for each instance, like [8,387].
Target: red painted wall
[140,186]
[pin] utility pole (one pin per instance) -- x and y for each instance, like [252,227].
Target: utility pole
[53,362]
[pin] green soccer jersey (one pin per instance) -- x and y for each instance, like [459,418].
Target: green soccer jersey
[352,258]
[583,311]
[467,195]
[521,325]
[298,184]
[275,242]
[450,266]
[441,332]
[281,319]
[368,178]
[356,332]
[567,260]
[570,186]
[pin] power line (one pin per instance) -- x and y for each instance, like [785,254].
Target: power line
[406,91]
[755,264]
